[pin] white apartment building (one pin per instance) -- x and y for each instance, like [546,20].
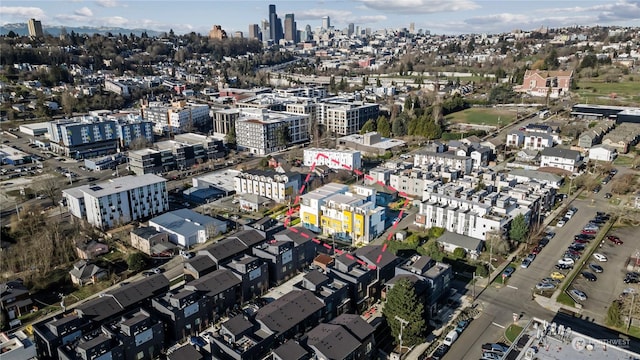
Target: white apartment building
[118,201]
[334,159]
[529,140]
[270,184]
[177,118]
[410,181]
[260,131]
[602,153]
[475,217]
[452,161]
[565,159]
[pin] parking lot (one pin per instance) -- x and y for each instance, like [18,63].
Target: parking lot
[609,284]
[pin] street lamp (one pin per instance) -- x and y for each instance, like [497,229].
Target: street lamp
[403,323]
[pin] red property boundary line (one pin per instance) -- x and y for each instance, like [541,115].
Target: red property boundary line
[318,241]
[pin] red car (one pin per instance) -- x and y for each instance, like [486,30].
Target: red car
[614,239]
[536,250]
[588,232]
[581,241]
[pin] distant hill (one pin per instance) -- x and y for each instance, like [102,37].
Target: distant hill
[21,29]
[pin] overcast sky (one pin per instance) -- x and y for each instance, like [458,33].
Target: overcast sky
[439,16]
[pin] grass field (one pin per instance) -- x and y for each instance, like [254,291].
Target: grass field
[512,332]
[598,92]
[482,116]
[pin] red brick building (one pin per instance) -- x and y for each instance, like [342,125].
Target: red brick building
[541,82]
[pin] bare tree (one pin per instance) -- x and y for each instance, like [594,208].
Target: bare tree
[50,187]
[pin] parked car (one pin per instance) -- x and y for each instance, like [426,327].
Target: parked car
[557,275]
[580,241]
[462,325]
[600,257]
[157,270]
[525,263]
[508,271]
[591,226]
[543,242]
[566,261]
[588,232]
[571,255]
[561,223]
[564,266]
[589,276]
[596,268]
[607,196]
[597,189]
[536,250]
[545,286]
[576,247]
[491,356]
[614,239]
[495,347]
[578,294]
[584,237]
[440,352]
[613,171]
[551,281]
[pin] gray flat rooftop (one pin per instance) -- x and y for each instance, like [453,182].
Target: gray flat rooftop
[121,184]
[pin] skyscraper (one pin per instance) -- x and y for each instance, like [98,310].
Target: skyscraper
[351,29]
[35,28]
[412,28]
[275,25]
[326,22]
[290,31]
[254,32]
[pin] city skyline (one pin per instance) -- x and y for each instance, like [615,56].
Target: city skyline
[438,16]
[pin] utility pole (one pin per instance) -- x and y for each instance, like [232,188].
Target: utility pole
[474,286]
[403,323]
[633,299]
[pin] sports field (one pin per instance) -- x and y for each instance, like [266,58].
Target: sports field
[482,116]
[625,92]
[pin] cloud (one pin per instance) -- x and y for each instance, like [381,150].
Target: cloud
[419,6]
[85,11]
[108,3]
[116,21]
[20,13]
[342,17]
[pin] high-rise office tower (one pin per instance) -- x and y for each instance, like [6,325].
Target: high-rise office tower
[254,32]
[265,29]
[308,33]
[35,28]
[275,25]
[350,29]
[326,22]
[290,31]
[412,28]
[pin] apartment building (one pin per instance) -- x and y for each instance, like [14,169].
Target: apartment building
[565,159]
[118,201]
[334,159]
[176,118]
[224,120]
[315,92]
[410,181]
[270,184]
[345,116]
[183,152]
[92,136]
[261,131]
[336,211]
[471,213]
[446,159]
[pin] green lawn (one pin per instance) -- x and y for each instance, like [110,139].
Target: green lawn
[598,92]
[482,116]
[623,160]
[512,332]
[565,299]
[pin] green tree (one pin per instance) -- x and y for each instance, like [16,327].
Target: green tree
[231,135]
[398,128]
[551,61]
[137,261]
[432,249]
[369,126]
[614,316]
[283,136]
[519,228]
[402,303]
[459,253]
[383,126]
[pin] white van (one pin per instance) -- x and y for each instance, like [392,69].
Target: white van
[451,337]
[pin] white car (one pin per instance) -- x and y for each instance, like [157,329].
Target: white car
[566,261]
[600,257]
[560,223]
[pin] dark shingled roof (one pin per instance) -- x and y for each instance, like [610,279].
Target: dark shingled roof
[370,254]
[187,352]
[201,263]
[100,308]
[224,249]
[237,325]
[316,277]
[214,283]
[560,152]
[296,237]
[332,341]
[289,310]
[249,237]
[355,324]
[291,350]
[135,292]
